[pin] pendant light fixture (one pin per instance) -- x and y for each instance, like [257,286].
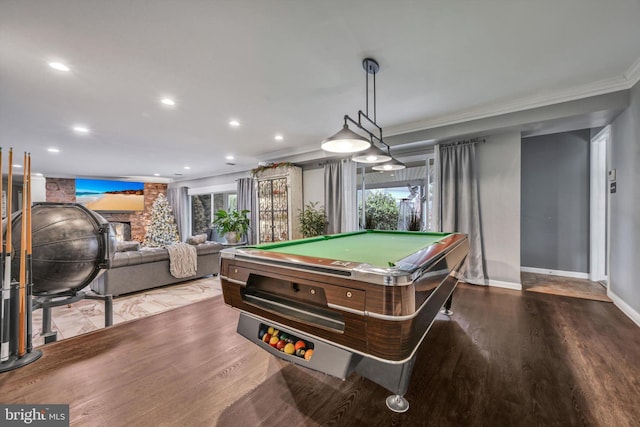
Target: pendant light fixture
[348,141]
[372,154]
[345,141]
[391,165]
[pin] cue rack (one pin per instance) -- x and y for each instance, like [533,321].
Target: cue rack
[16,345]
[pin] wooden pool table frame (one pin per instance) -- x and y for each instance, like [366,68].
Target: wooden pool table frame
[378,315]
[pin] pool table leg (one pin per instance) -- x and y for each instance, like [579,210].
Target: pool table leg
[394,377]
[397,403]
[447,306]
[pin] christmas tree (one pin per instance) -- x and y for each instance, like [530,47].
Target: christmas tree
[162,229]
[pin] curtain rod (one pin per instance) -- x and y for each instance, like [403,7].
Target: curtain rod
[328,162]
[463,142]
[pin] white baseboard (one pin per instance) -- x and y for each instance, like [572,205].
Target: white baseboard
[573,274]
[506,285]
[624,307]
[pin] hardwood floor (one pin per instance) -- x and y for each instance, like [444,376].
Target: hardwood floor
[565,286]
[505,358]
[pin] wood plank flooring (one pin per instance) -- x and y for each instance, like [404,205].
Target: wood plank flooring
[505,358]
[565,286]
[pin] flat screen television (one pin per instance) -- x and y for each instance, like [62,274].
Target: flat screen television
[110,196]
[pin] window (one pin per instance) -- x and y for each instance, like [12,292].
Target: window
[398,200]
[430,193]
[204,207]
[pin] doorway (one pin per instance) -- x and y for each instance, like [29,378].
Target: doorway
[598,247]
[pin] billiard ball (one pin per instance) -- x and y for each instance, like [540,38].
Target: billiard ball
[289,348]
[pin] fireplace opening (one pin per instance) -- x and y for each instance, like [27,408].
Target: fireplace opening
[122,230]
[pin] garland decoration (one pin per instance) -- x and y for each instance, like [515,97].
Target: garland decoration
[255,171]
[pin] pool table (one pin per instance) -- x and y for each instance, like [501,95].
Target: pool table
[353,302]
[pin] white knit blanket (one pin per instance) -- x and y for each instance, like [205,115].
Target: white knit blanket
[183,260]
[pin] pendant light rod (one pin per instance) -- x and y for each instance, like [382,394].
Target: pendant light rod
[360,126]
[371,66]
[366,89]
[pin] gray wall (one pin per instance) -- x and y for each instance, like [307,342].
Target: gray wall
[555,201]
[313,186]
[499,187]
[625,204]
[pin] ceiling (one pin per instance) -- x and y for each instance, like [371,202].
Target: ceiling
[288,67]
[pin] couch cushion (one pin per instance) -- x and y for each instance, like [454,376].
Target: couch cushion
[208,248]
[197,239]
[146,255]
[127,246]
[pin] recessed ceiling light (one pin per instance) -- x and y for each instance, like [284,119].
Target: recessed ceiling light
[229,157]
[156,174]
[234,123]
[80,129]
[278,137]
[187,167]
[168,101]
[53,150]
[38,174]
[58,66]
[17,166]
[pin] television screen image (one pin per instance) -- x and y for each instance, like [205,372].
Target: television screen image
[110,196]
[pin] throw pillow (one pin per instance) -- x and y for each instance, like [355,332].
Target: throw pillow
[127,246]
[197,239]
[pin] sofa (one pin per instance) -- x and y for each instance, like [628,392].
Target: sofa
[147,268]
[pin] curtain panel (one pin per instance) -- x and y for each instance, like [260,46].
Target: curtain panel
[460,204]
[178,199]
[333,188]
[247,199]
[349,215]
[340,196]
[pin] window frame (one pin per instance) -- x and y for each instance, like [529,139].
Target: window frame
[428,183]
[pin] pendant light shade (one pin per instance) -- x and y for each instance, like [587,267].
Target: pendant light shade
[345,141]
[372,154]
[391,165]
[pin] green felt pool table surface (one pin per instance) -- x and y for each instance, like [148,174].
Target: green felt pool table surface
[374,247]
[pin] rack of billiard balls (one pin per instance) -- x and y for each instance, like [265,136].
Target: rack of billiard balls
[284,342]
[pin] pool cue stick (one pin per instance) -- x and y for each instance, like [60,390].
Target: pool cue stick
[6,291]
[22,296]
[29,261]
[4,325]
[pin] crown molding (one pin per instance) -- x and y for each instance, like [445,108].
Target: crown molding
[624,82]
[633,73]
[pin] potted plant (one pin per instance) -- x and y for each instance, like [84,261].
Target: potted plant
[233,224]
[313,220]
